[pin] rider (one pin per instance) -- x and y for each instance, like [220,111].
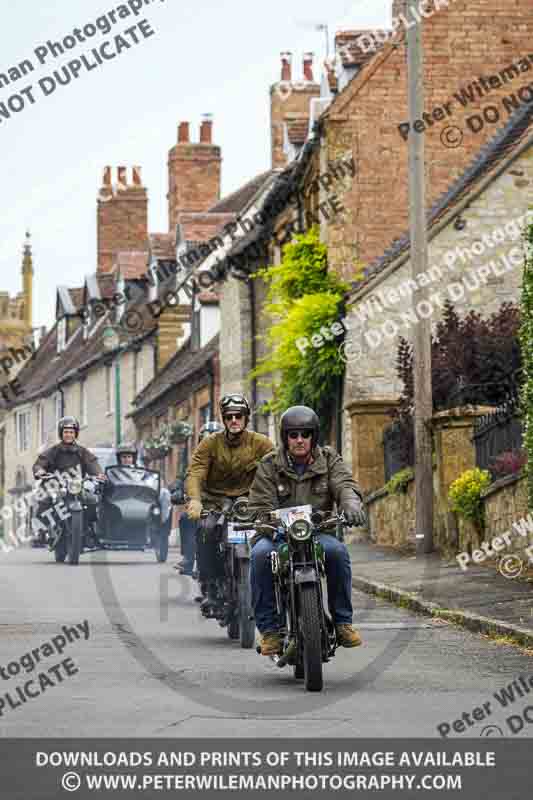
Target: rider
[67,454]
[222,466]
[302,473]
[188,527]
[126,455]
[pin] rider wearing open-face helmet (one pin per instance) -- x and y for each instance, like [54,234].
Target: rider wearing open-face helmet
[300,473]
[126,454]
[222,466]
[67,455]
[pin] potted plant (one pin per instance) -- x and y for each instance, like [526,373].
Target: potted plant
[180,431]
[158,446]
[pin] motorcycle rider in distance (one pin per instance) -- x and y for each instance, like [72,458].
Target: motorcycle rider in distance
[68,454]
[302,473]
[222,466]
[126,455]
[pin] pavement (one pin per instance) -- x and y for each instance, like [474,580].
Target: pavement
[480,599]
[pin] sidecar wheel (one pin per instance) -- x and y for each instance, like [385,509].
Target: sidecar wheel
[311,634]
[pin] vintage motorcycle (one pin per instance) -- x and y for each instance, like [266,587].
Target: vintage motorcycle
[299,574]
[124,512]
[229,595]
[71,509]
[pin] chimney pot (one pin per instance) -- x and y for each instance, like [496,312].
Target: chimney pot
[183,133]
[106,181]
[206,130]
[286,70]
[122,176]
[137,180]
[308,66]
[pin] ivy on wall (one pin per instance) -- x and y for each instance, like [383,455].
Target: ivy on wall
[302,297]
[526,344]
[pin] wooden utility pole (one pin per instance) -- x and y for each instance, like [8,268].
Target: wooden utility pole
[423,400]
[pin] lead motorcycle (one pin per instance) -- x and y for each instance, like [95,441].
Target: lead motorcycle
[230,593]
[299,574]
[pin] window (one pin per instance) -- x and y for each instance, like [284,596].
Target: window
[204,414]
[23,426]
[61,334]
[109,389]
[58,407]
[41,434]
[83,404]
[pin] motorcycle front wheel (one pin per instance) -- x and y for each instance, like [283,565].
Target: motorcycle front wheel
[75,537]
[311,638]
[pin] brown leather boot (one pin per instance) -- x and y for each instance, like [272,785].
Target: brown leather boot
[271,643]
[347,636]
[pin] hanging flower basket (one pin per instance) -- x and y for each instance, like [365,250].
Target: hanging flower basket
[180,432]
[159,446]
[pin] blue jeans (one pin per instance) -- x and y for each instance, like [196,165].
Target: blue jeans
[338,575]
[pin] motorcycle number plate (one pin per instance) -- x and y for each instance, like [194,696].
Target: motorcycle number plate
[238,537]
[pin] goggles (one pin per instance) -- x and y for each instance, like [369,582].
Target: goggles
[304,434]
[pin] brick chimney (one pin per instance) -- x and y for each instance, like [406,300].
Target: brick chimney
[289,102]
[122,215]
[308,66]
[193,172]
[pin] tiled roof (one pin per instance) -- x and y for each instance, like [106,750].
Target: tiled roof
[41,375]
[132,264]
[179,369]
[351,54]
[238,200]
[297,130]
[503,147]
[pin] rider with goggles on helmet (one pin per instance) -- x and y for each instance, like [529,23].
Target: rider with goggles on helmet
[302,473]
[67,454]
[222,466]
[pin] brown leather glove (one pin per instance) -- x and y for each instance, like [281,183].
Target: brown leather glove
[194,509]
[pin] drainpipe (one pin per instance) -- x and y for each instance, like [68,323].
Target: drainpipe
[253,331]
[211,385]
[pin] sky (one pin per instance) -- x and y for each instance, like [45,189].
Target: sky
[209,56]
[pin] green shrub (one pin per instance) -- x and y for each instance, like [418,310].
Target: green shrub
[465,495]
[399,481]
[526,346]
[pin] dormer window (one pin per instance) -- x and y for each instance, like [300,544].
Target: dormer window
[61,334]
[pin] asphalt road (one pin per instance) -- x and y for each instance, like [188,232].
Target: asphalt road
[152,666]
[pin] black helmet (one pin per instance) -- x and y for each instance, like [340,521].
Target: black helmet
[127,448]
[68,422]
[209,428]
[299,418]
[234,402]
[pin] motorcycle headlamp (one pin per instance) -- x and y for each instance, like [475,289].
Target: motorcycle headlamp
[75,486]
[156,511]
[300,530]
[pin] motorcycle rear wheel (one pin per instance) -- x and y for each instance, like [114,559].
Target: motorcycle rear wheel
[75,537]
[247,624]
[312,640]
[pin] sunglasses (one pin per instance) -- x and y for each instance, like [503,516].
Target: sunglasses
[229,417]
[303,434]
